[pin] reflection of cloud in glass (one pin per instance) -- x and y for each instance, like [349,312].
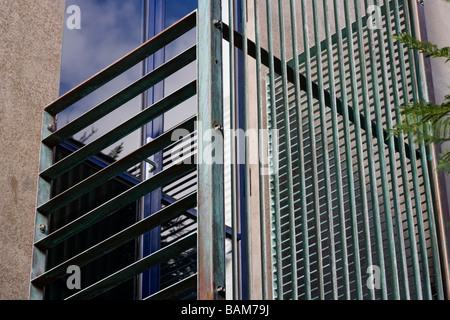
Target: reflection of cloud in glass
[179,79]
[109,30]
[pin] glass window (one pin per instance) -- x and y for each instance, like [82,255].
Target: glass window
[109,29]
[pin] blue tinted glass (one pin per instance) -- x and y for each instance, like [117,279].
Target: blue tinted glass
[108,29]
[177,9]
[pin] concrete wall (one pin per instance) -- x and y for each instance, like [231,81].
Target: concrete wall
[30,53]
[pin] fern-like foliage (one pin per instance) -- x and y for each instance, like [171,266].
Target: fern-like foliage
[115,152]
[431,50]
[426,122]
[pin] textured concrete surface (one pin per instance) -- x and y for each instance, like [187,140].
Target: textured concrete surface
[30,50]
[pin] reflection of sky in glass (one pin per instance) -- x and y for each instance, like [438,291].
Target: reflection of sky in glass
[109,30]
[175,10]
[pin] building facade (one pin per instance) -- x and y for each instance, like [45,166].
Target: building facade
[314,207]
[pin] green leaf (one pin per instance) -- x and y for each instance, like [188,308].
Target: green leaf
[431,50]
[428,123]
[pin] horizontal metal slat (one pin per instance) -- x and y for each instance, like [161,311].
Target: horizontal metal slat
[175,290]
[123,96]
[162,216]
[132,194]
[136,268]
[185,186]
[113,169]
[145,50]
[114,135]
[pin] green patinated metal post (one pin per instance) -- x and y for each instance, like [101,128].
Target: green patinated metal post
[261,125]
[272,149]
[289,157]
[342,222]
[233,203]
[211,222]
[42,221]
[336,153]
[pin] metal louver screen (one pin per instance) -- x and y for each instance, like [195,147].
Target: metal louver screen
[360,197]
[86,214]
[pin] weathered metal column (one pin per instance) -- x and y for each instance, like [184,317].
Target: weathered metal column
[42,221]
[211,221]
